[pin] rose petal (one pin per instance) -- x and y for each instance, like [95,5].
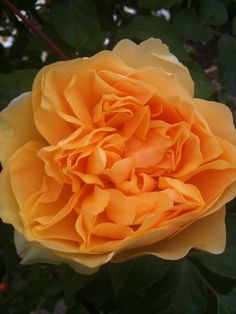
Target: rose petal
[207,234]
[82,263]
[9,208]
[17,126]
[153,52]
[219,118]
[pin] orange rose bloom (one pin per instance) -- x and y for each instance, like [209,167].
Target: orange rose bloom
[112,157]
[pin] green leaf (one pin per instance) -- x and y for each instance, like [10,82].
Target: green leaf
[226,304]
[15,83]
[234,26]
[227,64]
[157,5]
[67,27]
[212,12]
[203,86]
[223,264]
[127,276]
[144,27]
[119,273]
[181,291]
[71,281]
[77,23]
[187,24]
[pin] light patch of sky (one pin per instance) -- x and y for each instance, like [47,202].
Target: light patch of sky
[163,12]
[44,55]
[129,10]
[106,42]
[39,3]
[6,41]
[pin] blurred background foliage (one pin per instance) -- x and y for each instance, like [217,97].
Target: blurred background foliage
[202,34]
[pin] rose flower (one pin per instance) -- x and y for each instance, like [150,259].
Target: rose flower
[111,157]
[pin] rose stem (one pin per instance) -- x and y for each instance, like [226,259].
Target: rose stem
[40,34]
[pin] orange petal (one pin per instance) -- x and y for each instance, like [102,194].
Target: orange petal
[219,118]
[17,126]
[153,52]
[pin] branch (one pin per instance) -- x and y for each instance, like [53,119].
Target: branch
[40,34]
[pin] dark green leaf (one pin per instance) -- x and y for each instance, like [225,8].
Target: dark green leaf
[181,291]
[223,264]
[14,84]
[119,273]
[143,27]
[226,304]
[71,281]
[203,86]
[76,22]
[227,64]
[187,24]
[157,5]
[212,12]
[234,26]
[127,275]
[66,28]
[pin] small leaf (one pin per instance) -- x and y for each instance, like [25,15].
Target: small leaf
[227,64]
[212,12]
[65,27]
[187,24]
[77,23]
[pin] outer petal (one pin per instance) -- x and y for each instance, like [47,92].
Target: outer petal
[153,53]
[219,118]
[16,126]
[34,254]
[207,234]
[9,208]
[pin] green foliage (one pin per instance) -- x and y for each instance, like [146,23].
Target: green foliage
[157,5]
[212,12]
[203,86]
[227,64]
[81,26]
[201,33]
[143,27]
[188,25]
[226,304]
[15,83]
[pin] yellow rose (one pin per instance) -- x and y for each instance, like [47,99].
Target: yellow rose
[112,157]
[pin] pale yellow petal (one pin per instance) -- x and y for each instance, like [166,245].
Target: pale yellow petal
[81,263]
[31,254]
[153,53]
[219,118]
[16,126]
[9,208]
[207,234]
